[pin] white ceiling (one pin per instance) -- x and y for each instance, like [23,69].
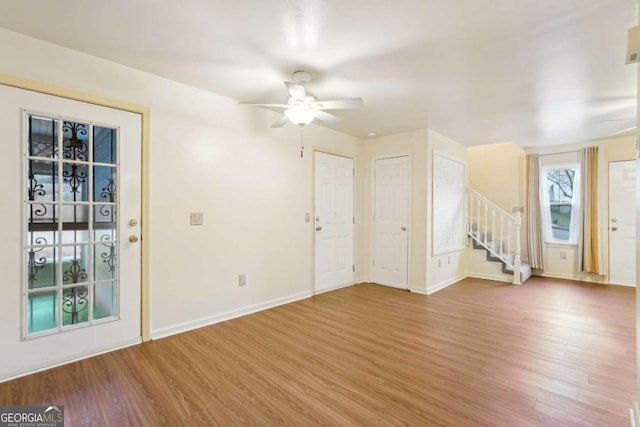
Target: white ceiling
[537,72]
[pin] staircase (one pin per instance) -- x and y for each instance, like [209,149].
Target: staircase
[498,233]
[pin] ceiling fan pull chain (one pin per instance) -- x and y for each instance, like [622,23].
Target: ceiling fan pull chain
[301,142]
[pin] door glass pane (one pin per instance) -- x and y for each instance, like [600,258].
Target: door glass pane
[43,137]
[75,217]
[42,181]
[104,184]
[104,145]
[105,261]
[75,187]
[42,311]
[75,141]
[104,300]
[75,264]
[41,267]
[104,235]
[42,216]
[75,305]
[104,216]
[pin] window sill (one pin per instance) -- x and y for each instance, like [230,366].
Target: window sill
[560,245]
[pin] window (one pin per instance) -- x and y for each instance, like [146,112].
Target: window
[560,196]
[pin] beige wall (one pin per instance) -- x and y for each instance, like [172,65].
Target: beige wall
[498,172]
[210,155]
[436,272]
[562,260]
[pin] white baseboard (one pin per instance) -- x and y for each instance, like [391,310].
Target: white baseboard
[71,359]
[390,285]
[228,315]
[322,291]
[493,277]
[440,286]
[586,279]
[418,291]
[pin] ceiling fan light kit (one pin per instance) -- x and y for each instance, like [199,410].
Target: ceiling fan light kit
[303,107]
[300,115]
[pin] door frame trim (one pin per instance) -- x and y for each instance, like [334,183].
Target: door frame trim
[34,86]
[409,208]
[324,150]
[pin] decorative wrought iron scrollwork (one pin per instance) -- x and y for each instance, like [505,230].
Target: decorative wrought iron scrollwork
[74,301]
[35,263]
[73,147]
[75,273]
[107,212]
[35,189]
[109,257]
[109,192]
[74,178]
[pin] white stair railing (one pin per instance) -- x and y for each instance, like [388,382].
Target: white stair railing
[495,230]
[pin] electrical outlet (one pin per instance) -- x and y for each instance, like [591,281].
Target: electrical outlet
[563,255]
[439,263]
[242,280]
[196,218]
[448,259]
[307,217]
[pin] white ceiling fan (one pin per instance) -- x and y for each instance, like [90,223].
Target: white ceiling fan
[303,107]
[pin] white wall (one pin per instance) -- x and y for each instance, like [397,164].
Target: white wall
[446,269]
[210,155]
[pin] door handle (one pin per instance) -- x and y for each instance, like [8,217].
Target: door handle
[133,238]
[318,228]
[403,228]
[614,228]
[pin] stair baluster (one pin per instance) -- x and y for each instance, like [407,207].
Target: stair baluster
[506,247]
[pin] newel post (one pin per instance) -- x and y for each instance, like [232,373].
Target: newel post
[517,263]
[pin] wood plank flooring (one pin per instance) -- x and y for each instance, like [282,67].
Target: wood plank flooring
[547,353]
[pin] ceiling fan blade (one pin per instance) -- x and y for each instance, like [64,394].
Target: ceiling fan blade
[283,121]
[342,104]
[258,104]
[296,90]
[327,117]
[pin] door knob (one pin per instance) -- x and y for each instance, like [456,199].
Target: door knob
[614,219]
[133,238]
[133,223]
[403,228]
[614,228]
[318,228]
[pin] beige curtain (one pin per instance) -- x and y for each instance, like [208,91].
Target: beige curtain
[534,221]
[588,242]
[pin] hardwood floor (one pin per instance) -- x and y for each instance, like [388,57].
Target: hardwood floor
[477,353]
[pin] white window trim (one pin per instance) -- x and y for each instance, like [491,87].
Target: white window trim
[575,205]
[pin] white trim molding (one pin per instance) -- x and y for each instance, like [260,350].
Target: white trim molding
[227,315]
[60,362]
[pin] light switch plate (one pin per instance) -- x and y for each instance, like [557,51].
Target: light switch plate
[196,218]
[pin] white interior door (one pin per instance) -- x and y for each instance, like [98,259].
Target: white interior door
[391,222]
[622,223]
[333,221]
[71,187]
